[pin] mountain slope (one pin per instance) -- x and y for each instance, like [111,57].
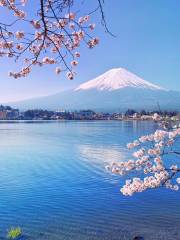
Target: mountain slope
[112,101]
[115,90]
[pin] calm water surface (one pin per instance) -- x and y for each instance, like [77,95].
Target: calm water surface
[54,185]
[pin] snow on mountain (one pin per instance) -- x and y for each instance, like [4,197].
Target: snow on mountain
[117,78]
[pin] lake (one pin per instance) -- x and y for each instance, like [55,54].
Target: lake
[53,183]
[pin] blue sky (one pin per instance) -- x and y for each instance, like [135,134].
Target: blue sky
[147,43]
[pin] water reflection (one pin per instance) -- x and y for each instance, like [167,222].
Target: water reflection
[102,154]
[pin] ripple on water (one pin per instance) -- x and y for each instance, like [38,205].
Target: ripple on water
[54,184]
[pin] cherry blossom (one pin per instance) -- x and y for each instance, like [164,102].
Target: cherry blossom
[58,70]
[149,159]
[55,36]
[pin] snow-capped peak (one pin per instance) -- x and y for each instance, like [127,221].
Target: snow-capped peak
[117,78]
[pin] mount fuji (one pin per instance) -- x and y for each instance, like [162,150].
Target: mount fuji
[115,90]
[115,79]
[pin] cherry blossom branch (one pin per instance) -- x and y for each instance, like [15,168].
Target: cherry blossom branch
[103,19]
[55,35]
[149,159]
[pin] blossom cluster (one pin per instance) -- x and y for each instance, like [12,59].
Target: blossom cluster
[12,6]
[52,40]
[149,160]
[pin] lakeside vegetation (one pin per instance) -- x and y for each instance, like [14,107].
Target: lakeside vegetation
[9,113]
[14,233]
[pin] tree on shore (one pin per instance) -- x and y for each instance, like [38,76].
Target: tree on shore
[48,32]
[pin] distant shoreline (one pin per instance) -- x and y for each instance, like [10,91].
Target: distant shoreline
[74,120]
